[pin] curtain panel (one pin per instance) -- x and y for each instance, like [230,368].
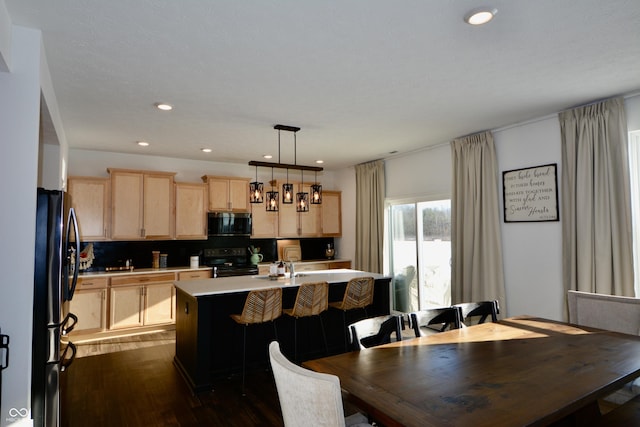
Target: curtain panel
[596,209]
[370,193]
[477,271]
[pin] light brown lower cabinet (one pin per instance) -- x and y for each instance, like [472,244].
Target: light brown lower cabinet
[159,304]
[339,264]
[146,299]
[90,306]
[123,302]
[126,305]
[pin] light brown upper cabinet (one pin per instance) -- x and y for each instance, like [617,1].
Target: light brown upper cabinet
[264,224]
[331,213]
[90,198]
[229,194]
[298,224]
[142,204]
[191,211]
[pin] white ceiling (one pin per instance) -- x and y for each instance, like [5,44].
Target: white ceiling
[362,78]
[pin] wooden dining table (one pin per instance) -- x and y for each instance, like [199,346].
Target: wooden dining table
[521,371]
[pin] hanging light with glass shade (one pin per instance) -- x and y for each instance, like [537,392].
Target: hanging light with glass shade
[287,191]
[255,190]
[302,198]
[272,197]
[316,191]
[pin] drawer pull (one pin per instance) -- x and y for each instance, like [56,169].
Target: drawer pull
[143,279]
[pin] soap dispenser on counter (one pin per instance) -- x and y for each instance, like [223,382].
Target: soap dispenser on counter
[281,269]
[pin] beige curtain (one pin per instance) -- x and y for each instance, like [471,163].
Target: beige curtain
[370,194]
[596,210]
[476,270]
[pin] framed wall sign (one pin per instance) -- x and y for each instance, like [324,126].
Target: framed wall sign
[531,194]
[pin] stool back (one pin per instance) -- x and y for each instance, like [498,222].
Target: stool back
[312,299]
[261,305]
[358,294]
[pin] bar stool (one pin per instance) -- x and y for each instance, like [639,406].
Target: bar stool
[358,294]
[264,305]
[312,299]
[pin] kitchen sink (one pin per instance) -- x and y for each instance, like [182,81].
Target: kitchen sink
[267,277]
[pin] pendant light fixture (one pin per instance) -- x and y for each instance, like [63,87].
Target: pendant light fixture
[287,187]
[302,198]
[287,191]
[272,197]
[255,190]
[316,191]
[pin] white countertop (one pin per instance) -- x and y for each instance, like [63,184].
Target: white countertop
[140,271]
[311,261]
[226,285]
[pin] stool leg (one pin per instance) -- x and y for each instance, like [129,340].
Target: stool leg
[244,351]
[344,328]
[295,339]
[324,336]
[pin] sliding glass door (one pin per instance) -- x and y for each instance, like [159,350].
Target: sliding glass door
[420,254]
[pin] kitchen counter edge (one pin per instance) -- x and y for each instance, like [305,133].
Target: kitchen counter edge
[141,271]
[225,285]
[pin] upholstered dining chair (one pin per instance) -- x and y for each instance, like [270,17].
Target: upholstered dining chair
[473,313]
[312,299]
[358,294]
[260,306]
[375,331]
[309,398]
[434,320]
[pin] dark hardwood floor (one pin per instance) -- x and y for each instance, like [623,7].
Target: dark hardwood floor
[132,381]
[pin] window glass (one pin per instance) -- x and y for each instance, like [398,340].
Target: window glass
[420,254]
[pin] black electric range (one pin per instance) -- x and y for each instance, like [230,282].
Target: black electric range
[227,262]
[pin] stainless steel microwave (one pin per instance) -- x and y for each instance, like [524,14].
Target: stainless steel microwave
[229,224]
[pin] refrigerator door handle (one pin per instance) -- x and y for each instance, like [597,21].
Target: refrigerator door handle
[65,329]
[66,361]
[70,288]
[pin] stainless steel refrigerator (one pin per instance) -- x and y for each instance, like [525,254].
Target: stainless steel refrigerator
[55,277]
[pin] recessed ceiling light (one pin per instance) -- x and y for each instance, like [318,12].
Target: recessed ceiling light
[163,106]
[268,156]
[206,150]
[480,16]
[143,143]
[319,161]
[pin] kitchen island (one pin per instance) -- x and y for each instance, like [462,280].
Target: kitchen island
[209,343]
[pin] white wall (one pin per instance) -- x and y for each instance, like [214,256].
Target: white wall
[632,105]
[19,132]
[345,181]
[532,251]
[5,38]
